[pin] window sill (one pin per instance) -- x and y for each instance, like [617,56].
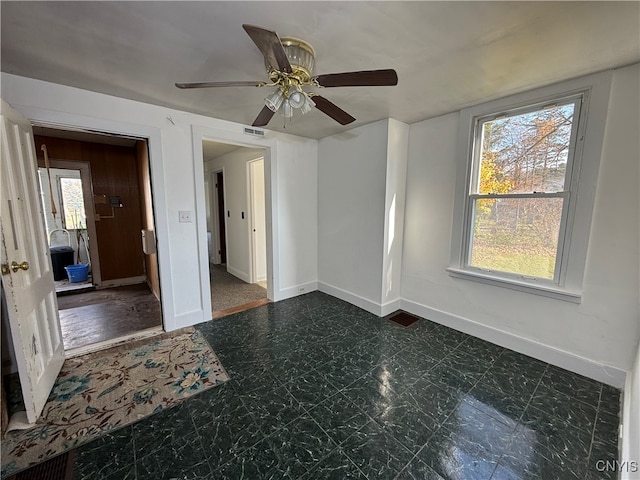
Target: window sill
[521,286]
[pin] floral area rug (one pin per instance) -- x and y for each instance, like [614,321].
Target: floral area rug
[102,391]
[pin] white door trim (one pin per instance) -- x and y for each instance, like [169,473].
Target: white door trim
[200,133]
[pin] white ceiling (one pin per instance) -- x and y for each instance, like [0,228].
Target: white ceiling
[211,149]
[447,54]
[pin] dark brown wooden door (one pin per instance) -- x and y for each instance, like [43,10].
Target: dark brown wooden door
[221,215]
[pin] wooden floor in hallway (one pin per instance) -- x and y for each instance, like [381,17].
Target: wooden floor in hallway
[101,315]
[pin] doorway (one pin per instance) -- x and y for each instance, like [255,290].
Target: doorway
[219,222]
[99,187]
[236,217]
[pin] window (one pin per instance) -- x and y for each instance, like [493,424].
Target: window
[525,187]
[72,203]
[519,194]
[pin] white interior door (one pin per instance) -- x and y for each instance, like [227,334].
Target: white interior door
[258,220]
[27,277]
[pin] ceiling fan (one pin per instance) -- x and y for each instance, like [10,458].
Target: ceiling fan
[289,63]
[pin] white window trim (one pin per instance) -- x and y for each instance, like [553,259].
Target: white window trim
[569,190]
[596,89]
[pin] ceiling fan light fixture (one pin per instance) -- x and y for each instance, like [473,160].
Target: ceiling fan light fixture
[274,100]
[287,109]
[297,97]
[308,105]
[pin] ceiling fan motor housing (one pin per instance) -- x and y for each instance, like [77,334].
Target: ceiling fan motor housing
[301,56]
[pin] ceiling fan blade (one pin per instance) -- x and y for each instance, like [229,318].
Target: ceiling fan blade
[269,44]
[331,109]
[219,84]
[263,117]
[367,78]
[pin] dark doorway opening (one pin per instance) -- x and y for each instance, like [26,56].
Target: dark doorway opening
[221,215]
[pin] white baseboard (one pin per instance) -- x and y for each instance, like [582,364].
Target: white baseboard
[603,373]
[606,374]
[238,273]
[364,303]
[294,291]
[390,307]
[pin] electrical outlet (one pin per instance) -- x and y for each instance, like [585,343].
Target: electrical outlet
[184,216]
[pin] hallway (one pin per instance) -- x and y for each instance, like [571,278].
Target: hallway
[229,294]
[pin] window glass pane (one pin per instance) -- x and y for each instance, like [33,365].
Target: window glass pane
[516,235]
[73,203]
[526,153]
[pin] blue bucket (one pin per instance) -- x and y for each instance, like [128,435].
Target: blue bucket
[77,273]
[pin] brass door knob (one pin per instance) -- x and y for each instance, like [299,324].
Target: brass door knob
[15,266]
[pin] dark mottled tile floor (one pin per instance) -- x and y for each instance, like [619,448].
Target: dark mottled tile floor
[320,389]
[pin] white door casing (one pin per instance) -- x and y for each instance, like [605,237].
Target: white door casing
[29,291]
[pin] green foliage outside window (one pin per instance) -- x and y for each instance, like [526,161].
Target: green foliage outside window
[517,196]
[73,204]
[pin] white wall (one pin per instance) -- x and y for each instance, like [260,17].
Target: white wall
[351,210]
[361,176]
[234,165]
[396,181]
[177,183]
[597,337]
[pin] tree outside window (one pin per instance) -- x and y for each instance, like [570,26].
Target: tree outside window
[520,188]
[73,203]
